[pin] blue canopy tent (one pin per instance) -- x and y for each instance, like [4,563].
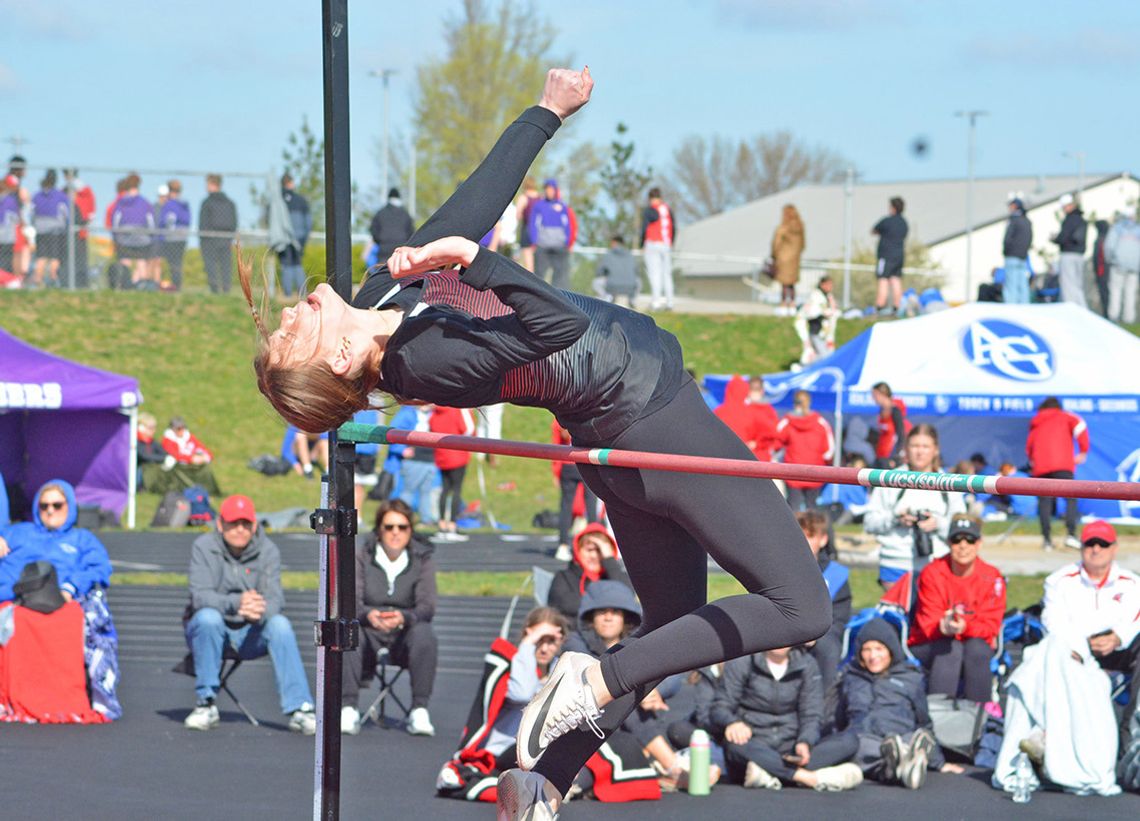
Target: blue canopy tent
[978,373]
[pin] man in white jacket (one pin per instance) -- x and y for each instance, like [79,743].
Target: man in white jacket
[1098,602]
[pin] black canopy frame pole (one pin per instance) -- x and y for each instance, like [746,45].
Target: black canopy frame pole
[336,629]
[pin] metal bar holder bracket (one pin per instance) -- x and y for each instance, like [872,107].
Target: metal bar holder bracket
[338,522]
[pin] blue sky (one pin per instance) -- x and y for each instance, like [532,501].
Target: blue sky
[219,85]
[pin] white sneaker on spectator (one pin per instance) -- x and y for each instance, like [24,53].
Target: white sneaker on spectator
[563,553]
[349,720]
[1073,542]
[303,721]
[893,750]
[757,778]
[524,796]
[419,722]
[202,717]
[912,769]
[564,703]
[840,777]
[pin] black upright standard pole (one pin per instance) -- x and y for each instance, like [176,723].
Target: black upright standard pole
[335,522]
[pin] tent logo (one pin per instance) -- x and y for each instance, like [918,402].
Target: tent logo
[1129,471]
[1008,350]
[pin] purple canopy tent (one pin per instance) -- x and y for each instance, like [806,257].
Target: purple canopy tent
[62,420]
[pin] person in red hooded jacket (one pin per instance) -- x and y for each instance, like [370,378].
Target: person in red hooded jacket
[767,438]
[807,440]
[736,413]
[452,466]
[1050,451]
[595,557]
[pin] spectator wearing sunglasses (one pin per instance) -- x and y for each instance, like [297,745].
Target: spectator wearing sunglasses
[961,601]
[1096,602]
[395,603]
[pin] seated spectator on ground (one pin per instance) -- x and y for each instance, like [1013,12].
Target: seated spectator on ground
[571,488]
[807,439]
[616,275]
[83,571]
[595,557]
[827,649]
[961,603]
[395,603]
[704,682]
[607,615]
[452,466]
[303,450]
[1059,709]
[511,678]
[883,700]
[151,454]
[236,598]
[770,705]
[910,524]
[188,458]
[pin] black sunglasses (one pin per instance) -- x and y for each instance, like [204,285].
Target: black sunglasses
[389,526]
[1097,543]
[964,537]
[52,505]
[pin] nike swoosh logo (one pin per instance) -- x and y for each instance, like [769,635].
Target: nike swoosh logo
[533,748]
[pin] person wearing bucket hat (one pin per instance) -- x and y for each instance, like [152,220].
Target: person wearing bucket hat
[1095,600]
[236,597]
[961,602]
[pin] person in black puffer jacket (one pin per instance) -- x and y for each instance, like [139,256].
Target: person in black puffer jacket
[769,706]
[883,700]
[395,603]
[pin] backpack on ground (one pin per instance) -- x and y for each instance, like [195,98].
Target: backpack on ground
[173,511]
[201,512]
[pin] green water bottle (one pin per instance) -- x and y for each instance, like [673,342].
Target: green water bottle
[699,763]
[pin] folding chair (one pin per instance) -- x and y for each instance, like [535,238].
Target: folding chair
[231,661]
[388,674]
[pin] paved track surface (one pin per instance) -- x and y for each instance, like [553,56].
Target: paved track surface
[146,766]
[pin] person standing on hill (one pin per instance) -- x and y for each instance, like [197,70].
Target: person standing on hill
[658,232]
[787,247]
[1122,257]
[174,220]
[1071,240]
[301,223]
[1015,249]
[391,225]
[891,231]
[217,222]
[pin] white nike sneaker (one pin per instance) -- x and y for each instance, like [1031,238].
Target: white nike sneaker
[419,722]
[524,796]
[564,703]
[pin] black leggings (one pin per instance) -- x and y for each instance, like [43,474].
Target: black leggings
[951,664]
[1045,505]
[667,525]
[452,491]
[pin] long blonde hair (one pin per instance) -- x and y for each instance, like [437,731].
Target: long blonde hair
[308,395]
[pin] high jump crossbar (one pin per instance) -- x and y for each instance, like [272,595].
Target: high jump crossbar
[680,463]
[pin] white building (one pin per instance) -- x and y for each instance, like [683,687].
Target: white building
[935,210]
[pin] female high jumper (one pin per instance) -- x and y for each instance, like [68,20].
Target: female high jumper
[496,333]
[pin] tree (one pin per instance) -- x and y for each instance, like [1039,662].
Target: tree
[494,66]
[578,179]
[624,184]
[712,175]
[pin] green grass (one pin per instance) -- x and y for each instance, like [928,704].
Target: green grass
[191,353]
[1022,592]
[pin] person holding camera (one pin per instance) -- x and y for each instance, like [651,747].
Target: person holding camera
[961,602]
[910,524]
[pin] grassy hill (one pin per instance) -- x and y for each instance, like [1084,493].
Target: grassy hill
[191,353]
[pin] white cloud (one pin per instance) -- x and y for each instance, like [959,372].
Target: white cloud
[41,19]
[8,79]
[1089,47]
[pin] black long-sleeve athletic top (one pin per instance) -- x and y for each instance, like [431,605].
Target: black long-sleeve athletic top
[498,333]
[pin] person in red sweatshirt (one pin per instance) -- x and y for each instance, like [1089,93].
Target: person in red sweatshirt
[736,413]
[807,440]
[961,602]
[452,466]
[1050,451]
[767,438]
[893,426]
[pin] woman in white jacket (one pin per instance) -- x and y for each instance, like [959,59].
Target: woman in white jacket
[903,519]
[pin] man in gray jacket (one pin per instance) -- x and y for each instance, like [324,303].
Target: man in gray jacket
[1015,249]
[235,597]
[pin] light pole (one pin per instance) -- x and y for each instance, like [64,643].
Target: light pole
[384,74]
[1079,156]
[848,195]
[972,117]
